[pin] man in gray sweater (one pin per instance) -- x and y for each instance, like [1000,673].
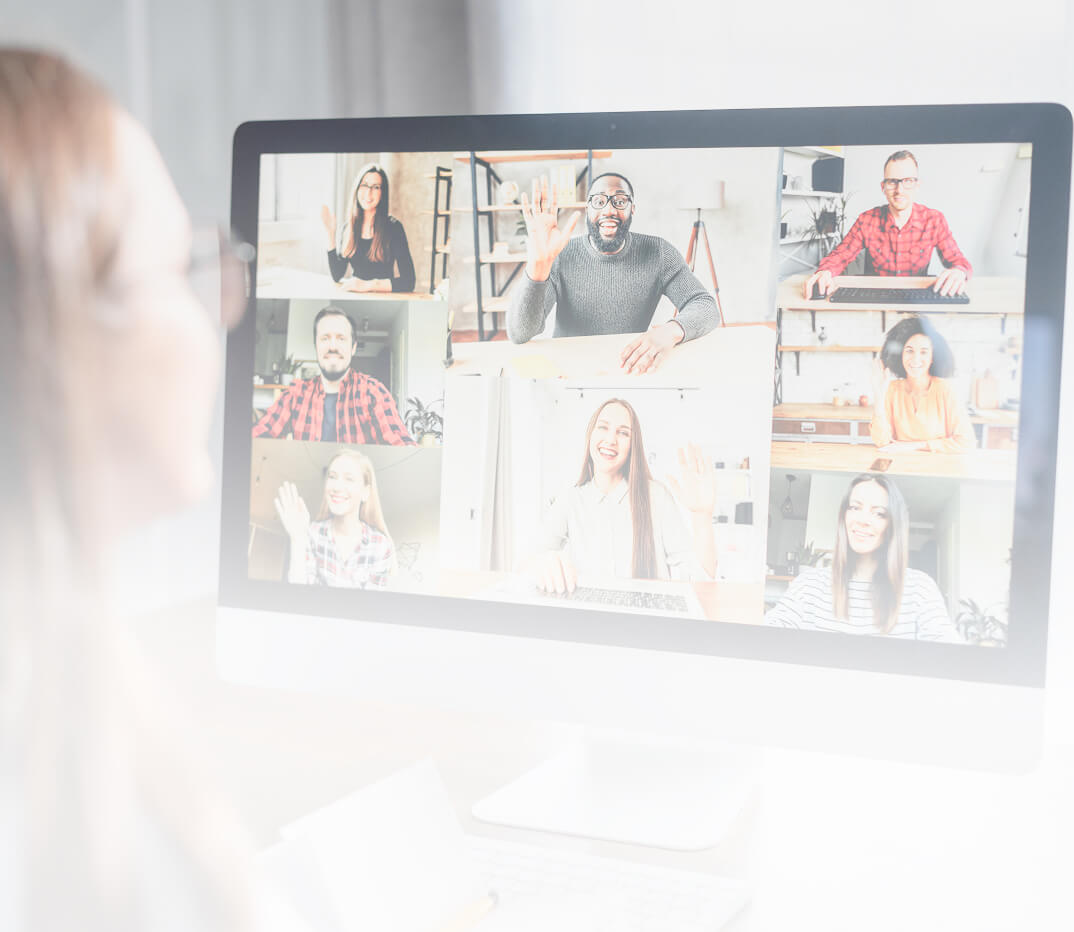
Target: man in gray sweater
[609,281]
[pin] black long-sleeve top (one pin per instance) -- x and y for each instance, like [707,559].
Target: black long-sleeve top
[396,255]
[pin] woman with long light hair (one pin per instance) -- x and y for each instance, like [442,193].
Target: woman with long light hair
[618,521]
[349,544]
[371,243]
[869,588]
[106,395]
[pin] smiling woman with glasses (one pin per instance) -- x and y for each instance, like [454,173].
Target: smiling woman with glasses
[371,243]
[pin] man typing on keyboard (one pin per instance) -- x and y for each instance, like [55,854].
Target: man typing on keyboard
[898,237]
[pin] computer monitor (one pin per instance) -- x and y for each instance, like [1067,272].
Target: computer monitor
[489,358]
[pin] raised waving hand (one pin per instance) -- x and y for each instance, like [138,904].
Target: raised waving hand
[544,239]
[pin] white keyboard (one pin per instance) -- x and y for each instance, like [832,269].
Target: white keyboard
[623,896]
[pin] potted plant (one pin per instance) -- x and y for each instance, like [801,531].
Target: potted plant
[981,626]
[827,222]
[423,423]
[809,555]
[288,368]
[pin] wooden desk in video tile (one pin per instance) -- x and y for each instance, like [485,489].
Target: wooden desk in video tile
[982,465]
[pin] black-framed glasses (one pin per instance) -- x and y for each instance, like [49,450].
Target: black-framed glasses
[369,187]
[619,201]
[219,273]
[890,184]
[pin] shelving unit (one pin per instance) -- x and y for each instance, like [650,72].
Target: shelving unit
[798,350]
[441,246]
[495,300]
[798,161]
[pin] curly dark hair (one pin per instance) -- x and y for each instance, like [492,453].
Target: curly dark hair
[943,360]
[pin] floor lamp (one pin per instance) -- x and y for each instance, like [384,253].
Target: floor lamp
[712,199]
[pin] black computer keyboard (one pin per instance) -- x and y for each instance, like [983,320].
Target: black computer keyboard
[655,601]
[895,296]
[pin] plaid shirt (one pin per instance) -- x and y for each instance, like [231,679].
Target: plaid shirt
[891,251]
[365,412]
[366,567]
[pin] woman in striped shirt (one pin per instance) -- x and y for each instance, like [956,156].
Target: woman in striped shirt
[869,589]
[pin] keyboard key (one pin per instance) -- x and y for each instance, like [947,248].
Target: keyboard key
[895,296]
[625,896]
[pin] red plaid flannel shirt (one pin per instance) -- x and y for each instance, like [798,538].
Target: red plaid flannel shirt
[365,412]
[892,251]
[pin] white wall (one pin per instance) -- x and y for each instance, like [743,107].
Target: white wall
[986,529]
[471,405]
[540,55]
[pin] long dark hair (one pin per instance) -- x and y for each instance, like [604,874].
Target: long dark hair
[356,217]
[891,559]
[638,477]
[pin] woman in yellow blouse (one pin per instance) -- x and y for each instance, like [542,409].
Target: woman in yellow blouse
[918,410]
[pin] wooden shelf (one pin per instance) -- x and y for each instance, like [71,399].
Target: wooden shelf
[494,305]
[432,175]
[798,350]
[829,349]
[820,411]
[815,151]
[507,208]
[488,258]
[534,155]
[801,411]
[798,192]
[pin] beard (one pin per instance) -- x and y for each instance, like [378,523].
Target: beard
[334,367]
[602,243]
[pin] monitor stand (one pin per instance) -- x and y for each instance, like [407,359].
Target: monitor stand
[678,794]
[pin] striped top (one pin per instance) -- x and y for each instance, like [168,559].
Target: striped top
[807,604]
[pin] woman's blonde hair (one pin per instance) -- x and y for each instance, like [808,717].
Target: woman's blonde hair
[370,511]
[102,792]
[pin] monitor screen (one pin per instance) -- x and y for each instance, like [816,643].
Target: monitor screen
[672,380]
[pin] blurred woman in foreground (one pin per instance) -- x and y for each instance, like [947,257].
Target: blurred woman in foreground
[106,392]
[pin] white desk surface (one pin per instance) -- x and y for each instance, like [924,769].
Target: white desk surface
[279,281]
[831,843]
[692,362]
